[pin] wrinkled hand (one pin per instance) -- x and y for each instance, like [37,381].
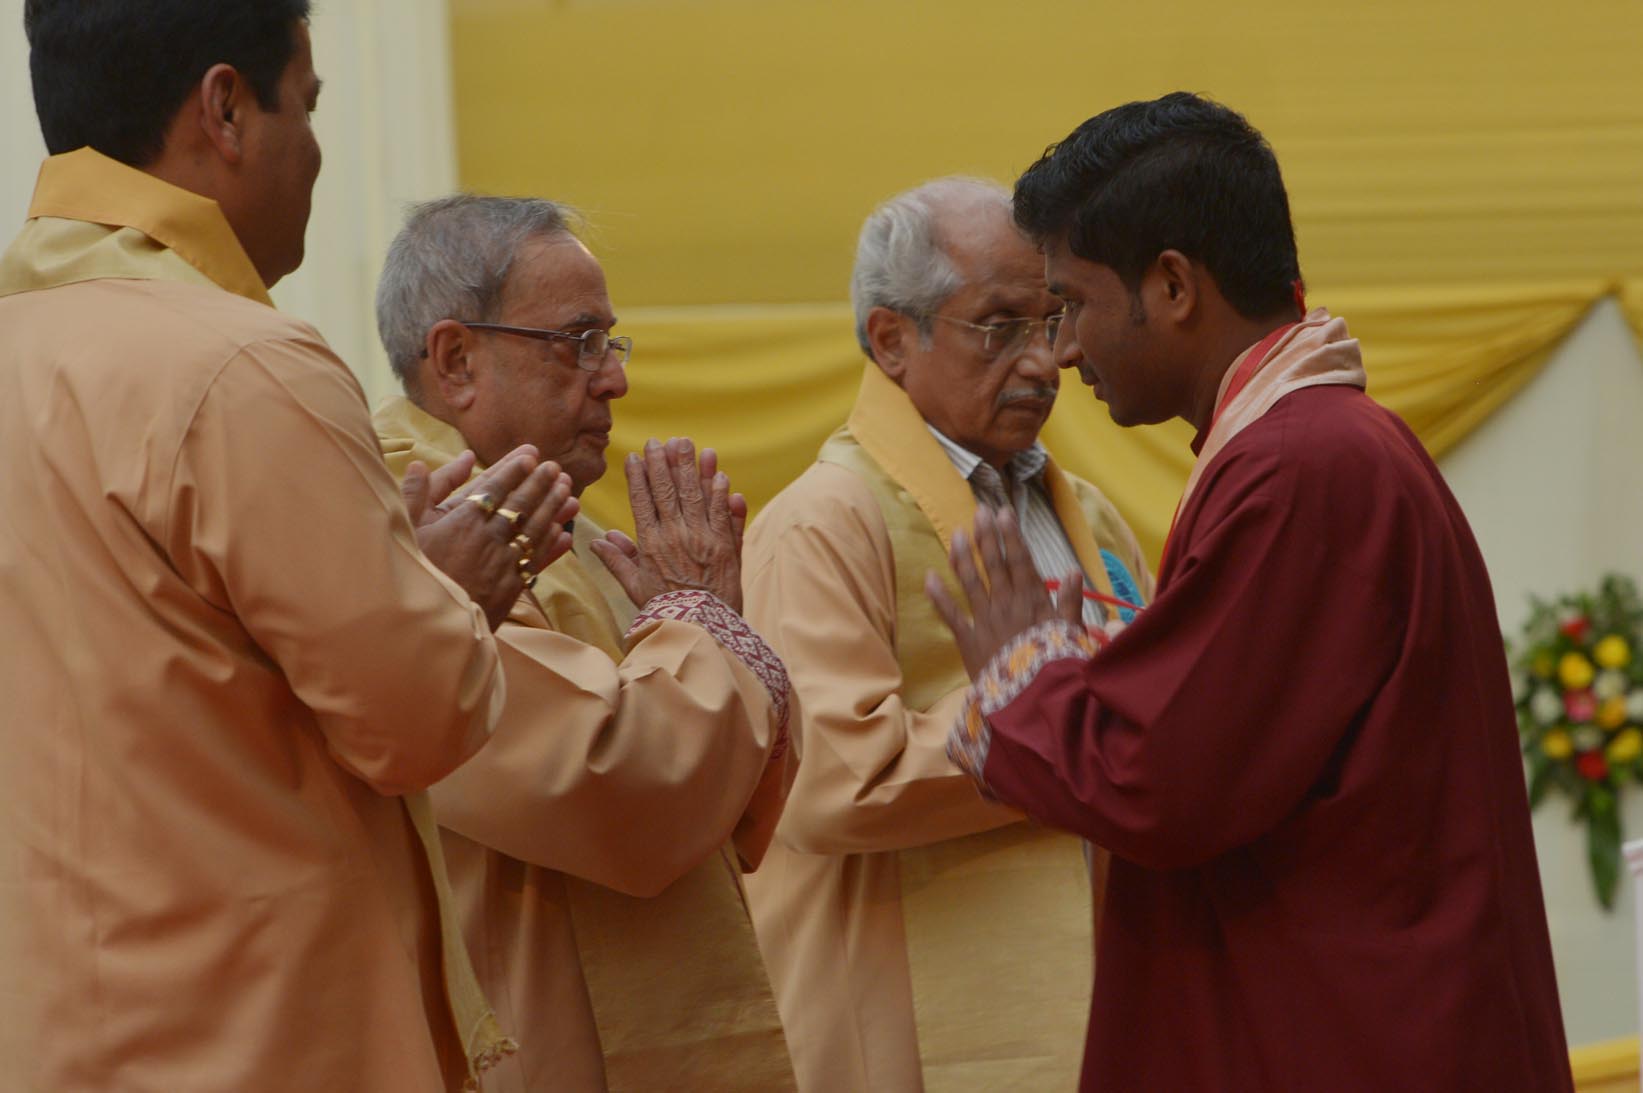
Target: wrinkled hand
[480,551]
[688,523]
[1013,599]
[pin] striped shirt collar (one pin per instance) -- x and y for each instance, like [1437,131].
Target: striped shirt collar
[1024,466]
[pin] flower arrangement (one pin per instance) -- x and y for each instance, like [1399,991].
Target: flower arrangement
[1578,685]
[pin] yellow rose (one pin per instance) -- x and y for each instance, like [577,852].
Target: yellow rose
[1625,747]
[1613,652]
[1612,713]
[1543,665]
[1557,745]
[1575,671]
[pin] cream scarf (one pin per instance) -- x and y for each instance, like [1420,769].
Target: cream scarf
[1314,352]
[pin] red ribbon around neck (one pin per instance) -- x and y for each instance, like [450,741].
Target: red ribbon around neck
[1054,585]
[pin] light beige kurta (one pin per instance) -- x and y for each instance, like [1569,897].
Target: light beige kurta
[918,937]
[596,845]
[222,656]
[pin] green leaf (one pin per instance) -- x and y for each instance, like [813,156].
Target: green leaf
[1595,800]
[1603,849]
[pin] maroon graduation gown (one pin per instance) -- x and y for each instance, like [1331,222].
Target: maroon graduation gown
[1304,760]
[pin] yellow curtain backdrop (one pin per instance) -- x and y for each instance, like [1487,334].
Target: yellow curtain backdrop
[1631,299]
[1443,365]
[1466,178]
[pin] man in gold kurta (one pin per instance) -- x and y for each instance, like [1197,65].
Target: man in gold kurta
[918,936]
[596,845]
[223,656]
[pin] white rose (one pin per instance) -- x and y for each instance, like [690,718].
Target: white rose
[1587,738]
[1546,706]
[1634,705]
[1609,684]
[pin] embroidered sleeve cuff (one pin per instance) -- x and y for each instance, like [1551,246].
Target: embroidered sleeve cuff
[1005,677]
[731,631]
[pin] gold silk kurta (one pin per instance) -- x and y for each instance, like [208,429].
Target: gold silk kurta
[918,936]
[222,657]
[596,845]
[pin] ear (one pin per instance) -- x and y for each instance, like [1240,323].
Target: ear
[225,102]
[888,333]
[1173,286]
[448,368]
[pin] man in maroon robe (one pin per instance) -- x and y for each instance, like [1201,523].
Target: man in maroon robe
[1302,755]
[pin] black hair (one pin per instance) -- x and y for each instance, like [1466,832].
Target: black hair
[1182,173]
[112,74]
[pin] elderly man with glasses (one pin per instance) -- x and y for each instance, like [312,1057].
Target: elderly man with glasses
[596,846]
[915,932]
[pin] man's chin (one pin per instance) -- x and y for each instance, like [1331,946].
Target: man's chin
[1129,417]
[583,473]
[1121,414]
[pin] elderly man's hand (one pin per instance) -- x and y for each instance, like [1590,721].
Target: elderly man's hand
[689,527]
[1013,599]
[498,531]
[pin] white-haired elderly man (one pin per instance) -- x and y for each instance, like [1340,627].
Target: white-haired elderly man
[917,934]
[596,845]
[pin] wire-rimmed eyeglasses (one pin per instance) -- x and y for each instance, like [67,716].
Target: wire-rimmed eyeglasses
[593,346]
[1009,337]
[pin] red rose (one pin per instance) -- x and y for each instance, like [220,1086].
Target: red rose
[1575,629]
[1591,766]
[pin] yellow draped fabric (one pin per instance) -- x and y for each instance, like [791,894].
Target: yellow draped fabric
[1466,180]
[1443,363]
[1631,299]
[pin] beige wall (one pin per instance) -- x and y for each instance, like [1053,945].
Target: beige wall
[20,146]
[1553,486]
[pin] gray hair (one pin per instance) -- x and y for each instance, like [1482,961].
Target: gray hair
[450,261]
[901,263]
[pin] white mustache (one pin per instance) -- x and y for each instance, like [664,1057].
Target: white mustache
[1022,394]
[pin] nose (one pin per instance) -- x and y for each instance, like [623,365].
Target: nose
[1066,351]
[1038,359]
[611,381]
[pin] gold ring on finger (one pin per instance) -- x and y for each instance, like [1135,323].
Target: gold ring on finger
[523,544]
[511,516]
[529,578]
[483,500]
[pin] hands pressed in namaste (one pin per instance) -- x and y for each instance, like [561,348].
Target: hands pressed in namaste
[688,525]
[496,534]
[1006,595]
